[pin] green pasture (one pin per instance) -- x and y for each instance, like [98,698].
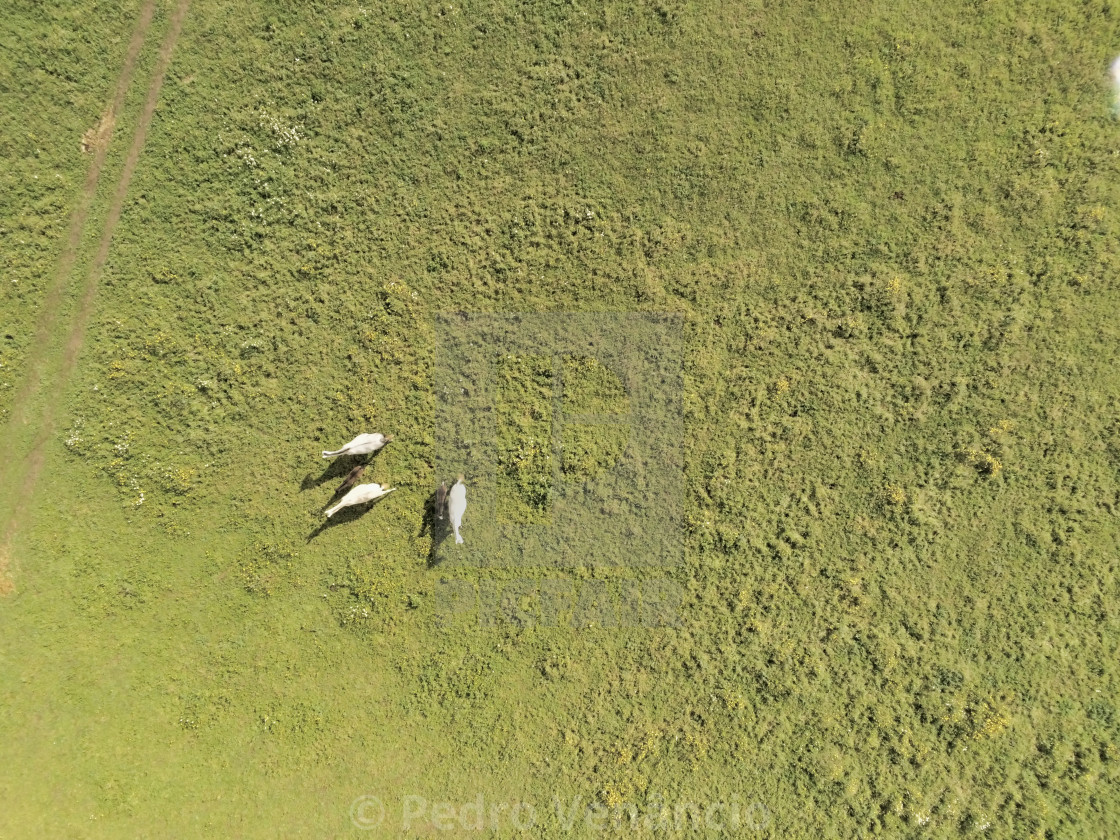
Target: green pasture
[889,231]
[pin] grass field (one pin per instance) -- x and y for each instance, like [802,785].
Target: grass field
[888,232]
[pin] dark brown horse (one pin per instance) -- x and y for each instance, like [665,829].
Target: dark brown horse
[351,479]
[441,499]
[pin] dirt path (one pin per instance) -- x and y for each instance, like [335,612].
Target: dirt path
[73,346]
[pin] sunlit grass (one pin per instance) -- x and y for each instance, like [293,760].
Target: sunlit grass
[891,237]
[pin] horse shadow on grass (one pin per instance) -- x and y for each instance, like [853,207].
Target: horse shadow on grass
[336,470]
[347,514]
[439,529]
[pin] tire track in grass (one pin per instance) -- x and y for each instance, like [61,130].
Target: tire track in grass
[73,346]
[52,302]
[48,314]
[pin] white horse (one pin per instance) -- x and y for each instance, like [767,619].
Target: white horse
[457,505]
[359,495]
[361,445]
